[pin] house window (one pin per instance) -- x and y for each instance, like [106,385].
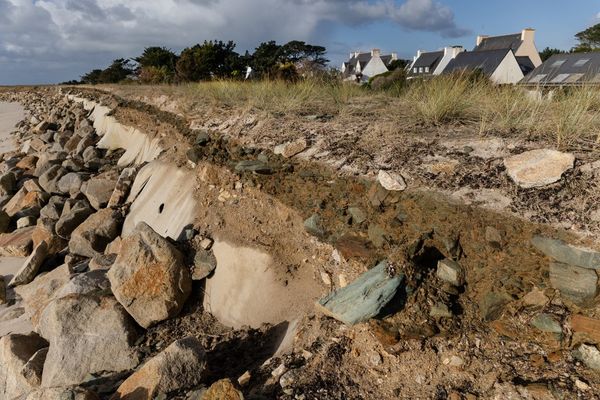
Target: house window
[581,63]
[538,78]
[420,70]
[415,70]
[560,78]
[558,63]
[426,70]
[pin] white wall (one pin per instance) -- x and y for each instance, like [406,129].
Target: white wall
[375,67]
[508,71]
[450,53]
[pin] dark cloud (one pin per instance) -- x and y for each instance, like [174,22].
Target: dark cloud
[61,39]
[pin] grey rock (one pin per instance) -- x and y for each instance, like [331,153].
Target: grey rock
[574,283]
[179,366]
[149,277]
[567,254]
[90,153]
[61,394]
[256,166]
[24,222]
[31,266]
[492,304]
[91,237]
[202,139]
[204,264]
[15,351]
[314,226]
[377,235]
[546,323]
[90,283]
[451,272]
[49,179]
[589,355]
[8,183]
[73,215]
[358,215]
[53,209]
[87,335]
[85,143]
[364,298]
[70,183]
[99,191]
[73,164]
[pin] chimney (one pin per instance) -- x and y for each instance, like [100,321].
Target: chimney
[394,56]
[480,39]
[351,54]
[453,51]
[528,35]
[356,53]
[375,53]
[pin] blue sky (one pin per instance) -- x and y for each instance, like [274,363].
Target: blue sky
[49,41]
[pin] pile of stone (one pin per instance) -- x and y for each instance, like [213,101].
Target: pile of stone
[88,292]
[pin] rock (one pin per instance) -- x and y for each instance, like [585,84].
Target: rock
[288,379]
[492,304]
[17,243]
[4,222]
[31,266]
[122,187]
[245,378]
[24,222]
[103,262]
[440,310]
[70,183]
[87,335]
[90,153]
[290,149]
[537,168]
[391,181]
[535,298]
[91,237]
[204,263]
[567,254]
[574,283]
[99,191]
[25,200]
[39,293]
[202,139]
[313,225]
[49,179]
[586,328]
[61,394]
[8,184]
[546,323]
[149,277]
[358,215]
[589,355]
[44,232]
[364,298]
[91,283]
[114,247]
[223,390]
[256,166]
[493,236]
[206,243]
[178,367]
[377,195]
[32,370]
[450,271]
[28,163]
[15,351]
[73,215]
[54,208]
[377,235]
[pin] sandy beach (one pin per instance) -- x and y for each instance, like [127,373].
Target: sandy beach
[12,319]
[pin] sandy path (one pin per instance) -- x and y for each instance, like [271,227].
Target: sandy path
[10,115]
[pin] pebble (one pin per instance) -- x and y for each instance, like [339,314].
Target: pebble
[391,181]
[206,243]
[245,378]
[277,372]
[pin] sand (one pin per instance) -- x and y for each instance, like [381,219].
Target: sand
[10,115]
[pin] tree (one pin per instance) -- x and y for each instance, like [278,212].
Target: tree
[118,71]
[398,64]
[270,59]
[210,59]
[265,59]
[589,39]
[549,52]
[157,65]
[92,77]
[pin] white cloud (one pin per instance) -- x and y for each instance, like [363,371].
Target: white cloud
[42,35]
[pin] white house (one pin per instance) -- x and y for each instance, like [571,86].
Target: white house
[500,66]
[522,44]
[433,62]
[362,66]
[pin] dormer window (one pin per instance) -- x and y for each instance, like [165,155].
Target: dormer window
[426,70]
[415,70]
[420,70]
[558,63]
[581,63]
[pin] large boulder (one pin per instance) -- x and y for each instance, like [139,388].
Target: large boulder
[179,366]
[17,243]
[61,394]
[39,293]
[91,237]
[45,232]
[73,214]
[53,209]
[15,351]
[50,178]
[87,334]
[71,183]
[122,187]
[31,266]
[98,191]
[26,203]
[149,277]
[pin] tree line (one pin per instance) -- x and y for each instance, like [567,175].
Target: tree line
[215,59]
[589,40]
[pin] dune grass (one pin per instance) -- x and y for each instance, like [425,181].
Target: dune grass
[570,115]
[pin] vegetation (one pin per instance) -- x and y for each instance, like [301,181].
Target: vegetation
[589,39]
[549,52]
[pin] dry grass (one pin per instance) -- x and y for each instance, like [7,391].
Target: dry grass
[570,116]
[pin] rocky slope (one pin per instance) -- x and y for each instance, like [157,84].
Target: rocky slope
[169,262]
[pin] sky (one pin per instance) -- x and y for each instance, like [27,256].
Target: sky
[50,41]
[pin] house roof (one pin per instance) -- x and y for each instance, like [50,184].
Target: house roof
[486,61]
[363,59]
[566,69]
[512,42]
[526,64]
[430,59]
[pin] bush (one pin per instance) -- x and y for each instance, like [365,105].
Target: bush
[155,75]
[389,81]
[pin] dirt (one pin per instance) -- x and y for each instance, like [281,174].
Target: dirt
[406,352]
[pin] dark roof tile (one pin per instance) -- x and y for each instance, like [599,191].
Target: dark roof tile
[486,61]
